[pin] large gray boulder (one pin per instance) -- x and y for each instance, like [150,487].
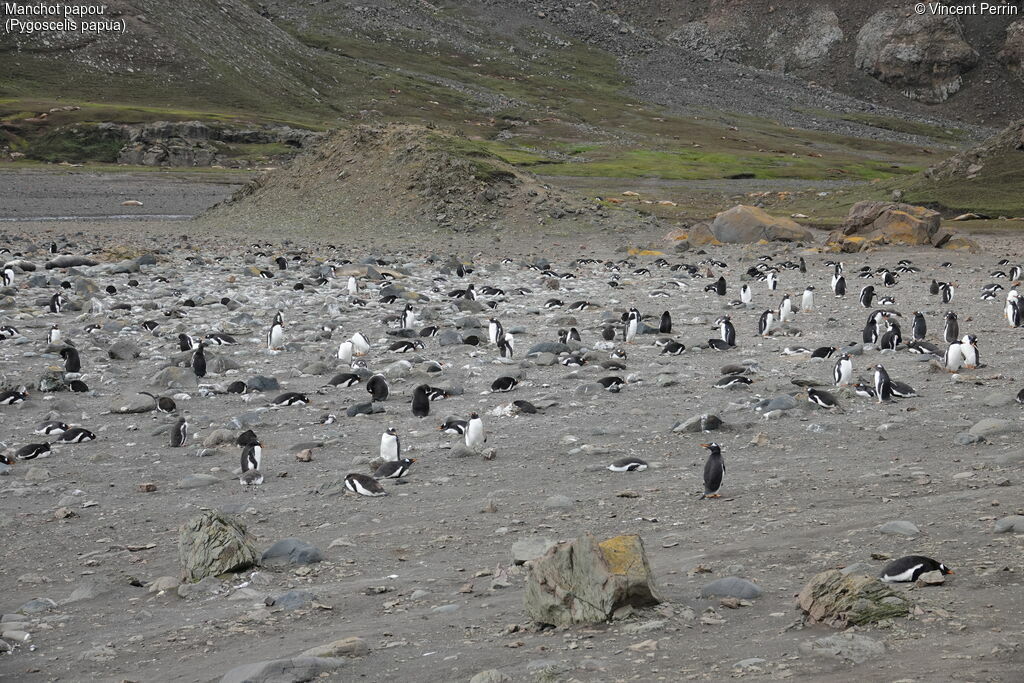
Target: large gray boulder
[290,670]
[923,56]
[213,544]
[584,581]
[749,224]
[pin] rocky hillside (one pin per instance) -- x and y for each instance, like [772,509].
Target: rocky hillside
[401,177]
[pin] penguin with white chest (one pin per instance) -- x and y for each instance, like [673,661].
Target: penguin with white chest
[390,445]
[969,349]
[714,471]
[842,372]
[275,336]
[908,569]
[883,384]
[951,328]
[475,437]
[807,301]
[785,309]
[632,325]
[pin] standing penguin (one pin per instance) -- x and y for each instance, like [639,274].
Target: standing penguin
[8,276]
[803,265]
[57,302]
[883,385]
[893,336]
[1012,308]
[252,456]
[785,309]
[726,330]
[773,281]
[72,362]
[408,319]
[53,335]
[275,337]
[179,433]
[378,388]
[951,329]
[353,287]
[714,471]
[475,437]
[666,323]
[746,294]
[390,446]
[420,401]
[345,352]
[953,359]
[969,349]
[632,325]
[360,344]
[838,281]
[507,345]
[867,295]
[920,326]
[807,301]
[946,291]
[199,361]
[765,322]
[718,286]
[842,373]
[495,331]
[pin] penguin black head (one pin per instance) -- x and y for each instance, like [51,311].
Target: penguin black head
[391,431]
[474,416]
[713,447]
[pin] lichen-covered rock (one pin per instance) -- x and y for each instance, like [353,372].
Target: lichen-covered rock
[700,235]
[1012,54]
[213,544]
[836,600]
[749,224]
[584,582]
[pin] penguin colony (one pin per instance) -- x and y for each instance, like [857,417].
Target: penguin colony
[407,315]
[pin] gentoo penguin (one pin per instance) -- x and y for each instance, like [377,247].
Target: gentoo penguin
[666,323]
[186,342]
[72,362]
[8,276]
[360,345]
[608,333]
[394,469]
[718,286]
[282,263]
[453,426]
[673,348]
[408,318]
[8,332]
[870,334]
[902,389]
[364,485]
[32,451]
[430,331]
[252,456]
[842,373]
[378,388]
[823,352]
[772,280]
[909,568]
[969,349]
[726,330]
[495,331]
[76,435]
[730,381]
[199,361]
[420,401]
[839,281]
[507,345]
[1020,396]
[236,387]
[611,383]
[57,302]
[803,265]
[888,278]
[867,295]
[221,339]
[951,328]
[632,325]
[345,352]
[953,359]
[475,437]
[807,301]
[390,446]
[765,322]
[822,398]
[504,384]
[714,471]
[883,385]
[179,433]
[946,292]
[13,398]
[353,286]
[53,336]
[628,465]
[933,288]
[864,390]
[164,404]
[785,309]
[893,336]
[78,385]
[920,327]
[291,398]
[275,336]
[51,428]
[746,294]
[406,345]
[1013,308]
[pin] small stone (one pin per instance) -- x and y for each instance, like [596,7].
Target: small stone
[63,513]
[490,676]
[934,578]
[558,502]
[851,647]
[290,600]
[731,586]
[899,528]
[291,551]
[345,647]
[530,549]
[1013,523]
[195,481]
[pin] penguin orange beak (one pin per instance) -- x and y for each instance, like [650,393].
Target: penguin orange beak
[705,445]
[951,572]
[414,460]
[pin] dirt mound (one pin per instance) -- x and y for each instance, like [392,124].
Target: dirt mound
[406,176]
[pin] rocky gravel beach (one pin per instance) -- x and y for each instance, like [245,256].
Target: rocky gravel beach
[429,580]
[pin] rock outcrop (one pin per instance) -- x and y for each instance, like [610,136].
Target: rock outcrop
[1012,54]
[840,601]
[213,544]
[749,224]
[872,224]
[585,582]
[922,55]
